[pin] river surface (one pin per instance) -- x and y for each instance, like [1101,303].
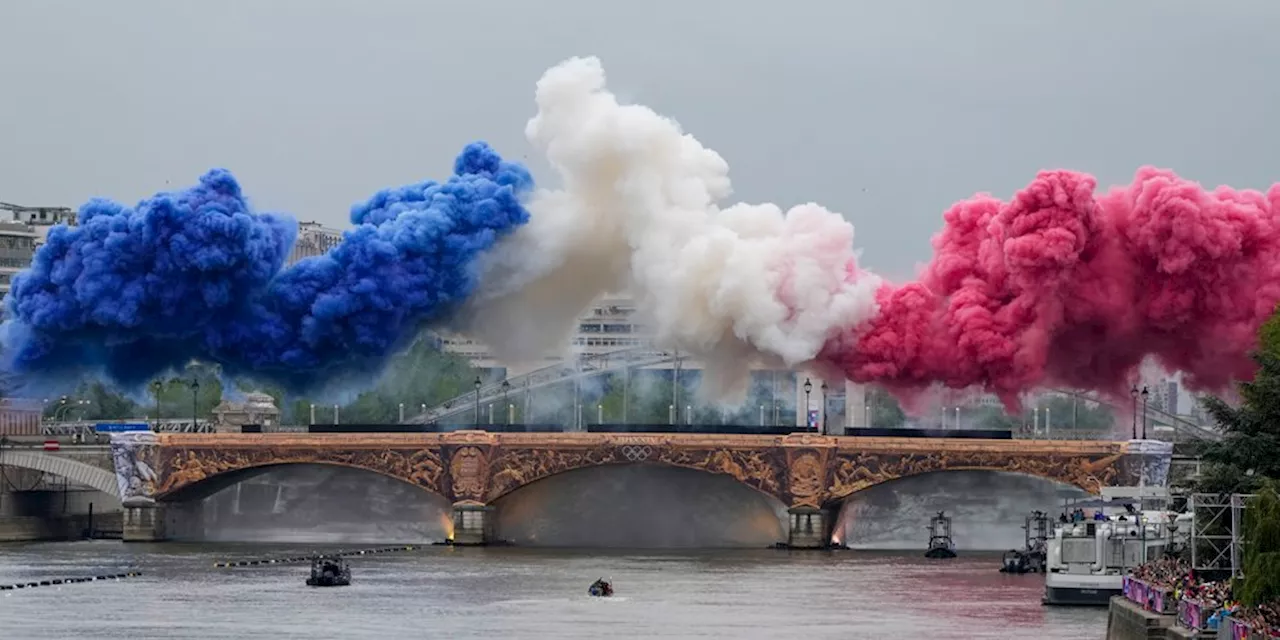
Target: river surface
[441,592]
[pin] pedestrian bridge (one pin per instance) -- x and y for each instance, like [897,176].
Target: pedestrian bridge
[808,473]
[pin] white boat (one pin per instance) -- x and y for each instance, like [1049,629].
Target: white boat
[1087,559]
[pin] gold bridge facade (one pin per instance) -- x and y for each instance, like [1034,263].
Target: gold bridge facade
[808,473]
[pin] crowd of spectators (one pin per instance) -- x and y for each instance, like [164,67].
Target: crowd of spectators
[1215,597]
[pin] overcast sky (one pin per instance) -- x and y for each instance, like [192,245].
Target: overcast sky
[316,104]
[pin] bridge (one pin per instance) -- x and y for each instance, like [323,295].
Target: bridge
[88,466]
[520,388]
[809,474]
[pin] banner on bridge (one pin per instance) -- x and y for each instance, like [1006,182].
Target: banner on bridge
[119,427]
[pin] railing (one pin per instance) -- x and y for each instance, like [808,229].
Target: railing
[1238,630]
[87,429]
[1192,614]
[1151,597]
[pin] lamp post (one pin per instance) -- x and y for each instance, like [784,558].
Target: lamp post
[823,427]
[155,387]
[195,402]
[506,386]
[774,397]
[477,383]
[1133,393]
[808,386]
[1144,411]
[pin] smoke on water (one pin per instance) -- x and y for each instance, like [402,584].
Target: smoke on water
[1059,286]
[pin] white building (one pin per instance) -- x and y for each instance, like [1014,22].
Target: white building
[314,239]
[17,246]
[21,235]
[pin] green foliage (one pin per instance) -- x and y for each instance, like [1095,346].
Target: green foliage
[996,419]
[885,410]
[421,375]
[1077,414]
[1250,448]
[1261,582]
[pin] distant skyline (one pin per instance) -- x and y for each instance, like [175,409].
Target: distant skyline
[885,112]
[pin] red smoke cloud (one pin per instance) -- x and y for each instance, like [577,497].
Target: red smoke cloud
[1059,288]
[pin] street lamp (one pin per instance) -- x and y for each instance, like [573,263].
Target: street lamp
[808,386]
[1133,393]
[506,386]
[478,383]
[156,386]
[195,402]
[824,405]
[1144,411]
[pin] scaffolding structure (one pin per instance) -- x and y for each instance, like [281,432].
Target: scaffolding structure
[1217,531]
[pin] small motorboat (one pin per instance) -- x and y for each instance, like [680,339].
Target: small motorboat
[1032,558]
[600,588]
[1015,561]
[327,571]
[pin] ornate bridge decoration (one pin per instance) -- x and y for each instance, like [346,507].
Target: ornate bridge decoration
[475,467]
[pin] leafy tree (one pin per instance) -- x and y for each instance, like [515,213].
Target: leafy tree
[995,419]
[1249,451]
[1261,582]
[885,410]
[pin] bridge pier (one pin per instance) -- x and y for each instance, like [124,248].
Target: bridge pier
[472,523]
[144,523]
[810,528]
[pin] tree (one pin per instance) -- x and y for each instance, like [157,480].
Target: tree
[885,410]
[1076,414]
[1249,451]
[1261,582]
[995,419]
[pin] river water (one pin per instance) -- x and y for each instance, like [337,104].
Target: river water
[443,592]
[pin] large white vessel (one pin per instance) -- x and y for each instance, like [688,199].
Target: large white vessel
[1087,559]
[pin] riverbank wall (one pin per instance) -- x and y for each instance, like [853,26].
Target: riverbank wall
[1127,620]
[72,527]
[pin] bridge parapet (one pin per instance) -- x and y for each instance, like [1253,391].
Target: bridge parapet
[476,468]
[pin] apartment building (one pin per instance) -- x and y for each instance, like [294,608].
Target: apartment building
[314,239]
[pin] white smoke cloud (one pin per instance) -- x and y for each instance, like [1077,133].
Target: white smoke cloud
[638,212]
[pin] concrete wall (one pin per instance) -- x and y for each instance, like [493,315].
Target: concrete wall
[28,528]
[1128,621]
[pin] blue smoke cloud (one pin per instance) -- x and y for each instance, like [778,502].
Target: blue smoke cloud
[196,274]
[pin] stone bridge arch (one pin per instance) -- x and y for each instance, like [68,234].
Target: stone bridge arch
[219,480]
[510,469]
[73,470]
[1089,469]
[193,471]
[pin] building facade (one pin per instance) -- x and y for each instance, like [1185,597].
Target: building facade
[21,235]
[314,239]
[17,247]
[20,417]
